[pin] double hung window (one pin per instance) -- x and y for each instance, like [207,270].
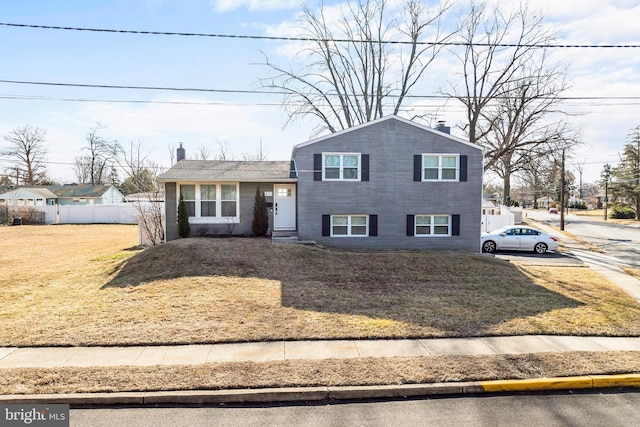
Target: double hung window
[349,225]
[432,225]
[341,167]
[440,167]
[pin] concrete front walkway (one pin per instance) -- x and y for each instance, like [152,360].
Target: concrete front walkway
[54,357]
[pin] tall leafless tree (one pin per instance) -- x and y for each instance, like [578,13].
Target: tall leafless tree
[27,151]
[99,155]
[510,90]
[349,74]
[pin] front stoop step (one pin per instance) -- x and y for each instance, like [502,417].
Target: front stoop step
[289,237]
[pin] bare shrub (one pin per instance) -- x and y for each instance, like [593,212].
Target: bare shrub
[29,214]
[151,220]
[202,231]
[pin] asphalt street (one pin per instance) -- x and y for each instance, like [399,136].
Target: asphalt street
[612,408]
[620,242]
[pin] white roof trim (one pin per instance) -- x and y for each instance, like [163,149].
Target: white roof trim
[382,119]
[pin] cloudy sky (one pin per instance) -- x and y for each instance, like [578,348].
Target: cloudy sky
[605,82]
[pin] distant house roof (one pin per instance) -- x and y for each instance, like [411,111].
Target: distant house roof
[222,170]
[79,190]
[38,191]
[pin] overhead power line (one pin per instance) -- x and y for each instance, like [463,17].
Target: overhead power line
[270,92]
[308,39]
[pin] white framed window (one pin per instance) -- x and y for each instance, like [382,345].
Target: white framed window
[188,194]
[432,225]
[208,200]
[440,167]
[349,225]
[341,166]
[211,202]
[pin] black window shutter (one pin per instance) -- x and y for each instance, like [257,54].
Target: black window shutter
[317,167]
[455,225]
[326,225]
[373,225]
[410,225]
[417,167]
[364,175]
[463,168]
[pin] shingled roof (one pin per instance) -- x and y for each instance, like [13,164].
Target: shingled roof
[222,170]
[79,190]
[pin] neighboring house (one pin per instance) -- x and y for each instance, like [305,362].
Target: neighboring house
[145,197]
[28,196]
[386,184]
[73,194]
[86,194]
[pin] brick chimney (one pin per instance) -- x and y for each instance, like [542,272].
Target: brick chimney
[180,153]
[441,126]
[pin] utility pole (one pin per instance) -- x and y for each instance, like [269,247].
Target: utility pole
[562,185]
[606,175]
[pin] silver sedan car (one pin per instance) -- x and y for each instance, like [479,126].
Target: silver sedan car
[519,238]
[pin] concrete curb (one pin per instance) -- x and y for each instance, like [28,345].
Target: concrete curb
[318,394]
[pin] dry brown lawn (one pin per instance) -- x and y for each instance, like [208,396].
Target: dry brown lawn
[89,285]
[303,373]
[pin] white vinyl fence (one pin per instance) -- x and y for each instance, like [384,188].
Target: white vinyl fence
[124,213]
[493,222]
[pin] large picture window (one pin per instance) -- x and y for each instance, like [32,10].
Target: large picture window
[440,167]
[349,225]
[211,202]
[432,225]
[341,166]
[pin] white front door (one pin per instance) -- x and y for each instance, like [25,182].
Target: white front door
[284,207]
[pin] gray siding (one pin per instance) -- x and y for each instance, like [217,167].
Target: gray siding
[171,211]
[244,227]
[391,193]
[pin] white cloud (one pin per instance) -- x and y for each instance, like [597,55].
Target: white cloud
[253,5]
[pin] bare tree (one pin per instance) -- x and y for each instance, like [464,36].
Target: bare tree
[348,75]
[94,165]
[510,90]
[259,156]
[525,127]
[141,177]
[223,152]
[27,151]
[203,153]
[496,48]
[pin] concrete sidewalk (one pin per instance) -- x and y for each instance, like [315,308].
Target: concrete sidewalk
[604,264]
[55,357]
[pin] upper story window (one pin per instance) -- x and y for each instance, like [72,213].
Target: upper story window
[211,202]
[440,167]
[341,166]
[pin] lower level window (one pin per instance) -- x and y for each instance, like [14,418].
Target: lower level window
[433,225]
[349,225]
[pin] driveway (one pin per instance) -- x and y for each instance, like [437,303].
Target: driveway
[552,259]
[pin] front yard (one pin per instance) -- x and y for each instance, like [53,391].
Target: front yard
[90,285]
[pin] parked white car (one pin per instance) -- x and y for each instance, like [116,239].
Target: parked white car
[519,238]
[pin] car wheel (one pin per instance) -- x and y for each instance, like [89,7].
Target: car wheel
[489,246]
[540,248]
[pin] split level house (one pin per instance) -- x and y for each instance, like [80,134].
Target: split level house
[387,184]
